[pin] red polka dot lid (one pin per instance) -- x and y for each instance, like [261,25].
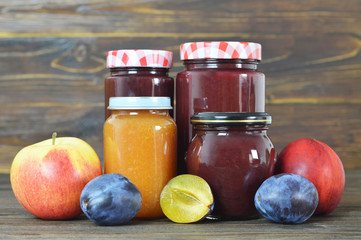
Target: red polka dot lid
[139,58]
[220,50]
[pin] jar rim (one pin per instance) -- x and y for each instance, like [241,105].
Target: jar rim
[231,118]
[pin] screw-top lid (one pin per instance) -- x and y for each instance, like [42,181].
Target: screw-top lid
[139,58]
[231,118]
[119,103]
[220,50]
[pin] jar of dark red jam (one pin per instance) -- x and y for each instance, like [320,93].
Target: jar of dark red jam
[218,77]
[140,73]
[233,153]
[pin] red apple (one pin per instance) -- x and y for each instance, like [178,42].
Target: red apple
[47,177]
[318,163]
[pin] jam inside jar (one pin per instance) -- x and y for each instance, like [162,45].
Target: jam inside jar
[140,141]
[218,77]
[234,154]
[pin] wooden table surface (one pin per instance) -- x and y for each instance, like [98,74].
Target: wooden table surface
[343,223]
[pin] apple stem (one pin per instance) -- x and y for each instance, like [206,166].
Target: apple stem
[53,137]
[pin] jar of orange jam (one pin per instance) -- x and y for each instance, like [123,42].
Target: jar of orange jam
[140,142]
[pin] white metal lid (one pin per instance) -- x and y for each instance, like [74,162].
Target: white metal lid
[119,103]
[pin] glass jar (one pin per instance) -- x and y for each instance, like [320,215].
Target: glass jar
[218,77]
[233,153]
[138,73]
[140,141]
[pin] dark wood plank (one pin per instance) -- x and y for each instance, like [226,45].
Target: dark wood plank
[172,18]
[337,125]
[343,223]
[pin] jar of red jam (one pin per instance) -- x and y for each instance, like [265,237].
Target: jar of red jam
[138,73]
[233,153]
[218,77]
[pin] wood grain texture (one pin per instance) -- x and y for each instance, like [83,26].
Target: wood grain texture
[343,223]
[52,63]
[174,18]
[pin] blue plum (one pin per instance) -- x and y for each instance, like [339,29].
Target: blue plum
[110,199]
[286,198]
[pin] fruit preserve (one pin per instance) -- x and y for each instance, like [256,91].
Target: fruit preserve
[138,73]
[233,153]
[218,77]
[140,141]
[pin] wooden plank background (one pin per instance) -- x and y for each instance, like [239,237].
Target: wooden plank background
[52,63]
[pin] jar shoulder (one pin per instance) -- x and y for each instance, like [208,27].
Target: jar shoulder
[220,73]
[233,139]
[151,119]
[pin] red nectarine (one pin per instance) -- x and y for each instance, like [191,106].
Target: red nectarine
[317,162]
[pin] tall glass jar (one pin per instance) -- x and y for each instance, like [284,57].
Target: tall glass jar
[233,153]
[140,141]
[138,73]
[218,77]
